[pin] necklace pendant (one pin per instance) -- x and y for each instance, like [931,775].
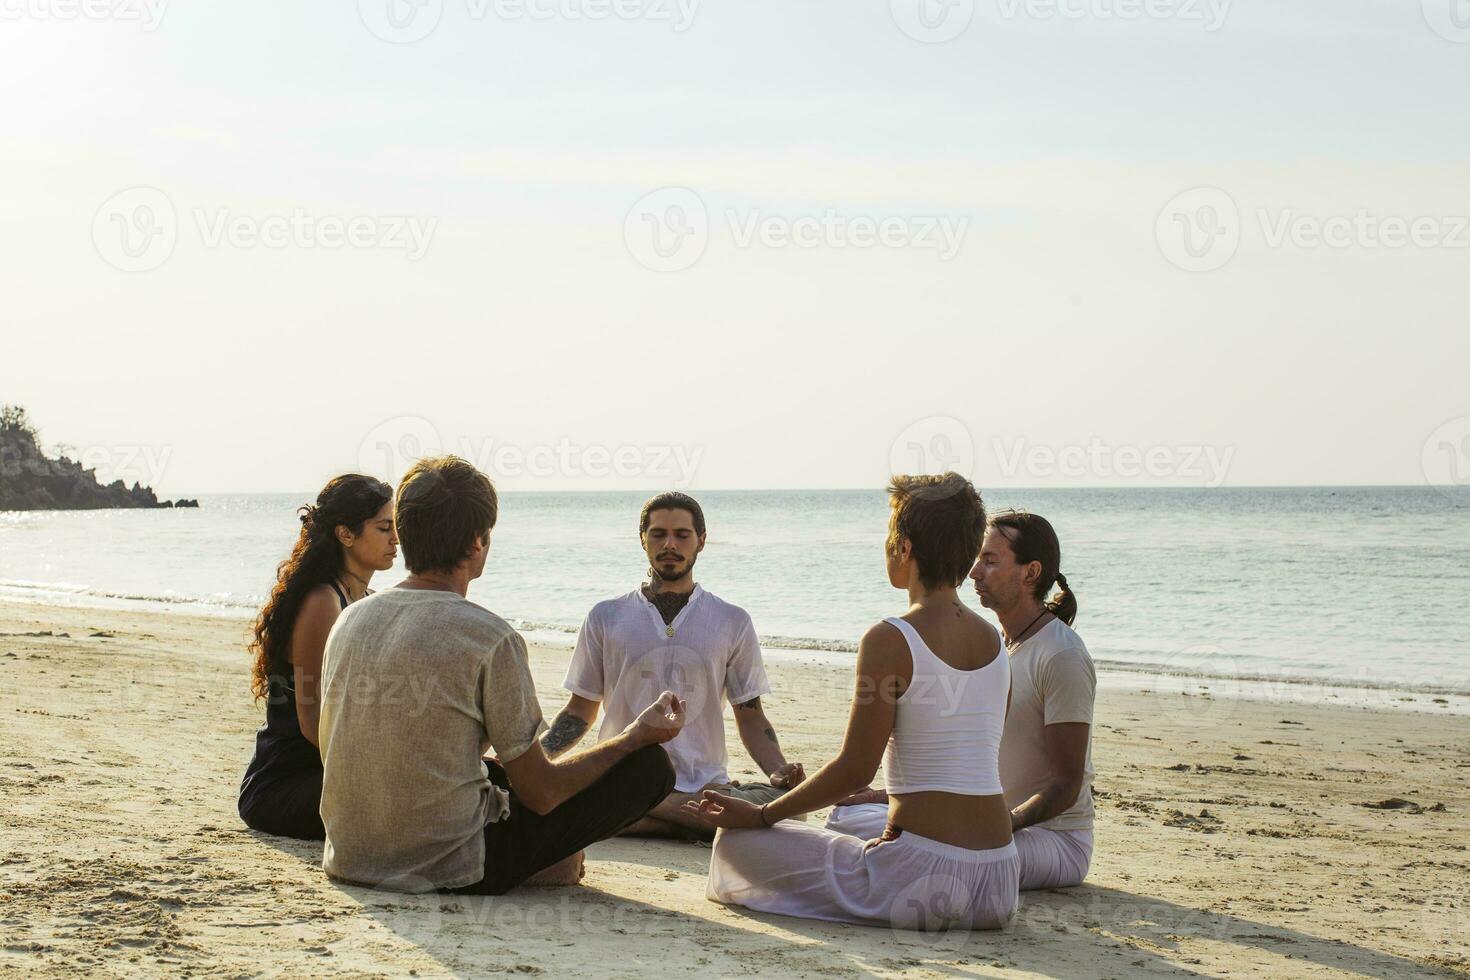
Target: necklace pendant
[668,631]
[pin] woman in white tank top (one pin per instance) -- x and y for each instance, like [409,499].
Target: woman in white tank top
[932,692]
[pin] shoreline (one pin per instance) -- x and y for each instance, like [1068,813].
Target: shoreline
[1283,687]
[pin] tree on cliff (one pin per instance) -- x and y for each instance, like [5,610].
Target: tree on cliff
[29,480]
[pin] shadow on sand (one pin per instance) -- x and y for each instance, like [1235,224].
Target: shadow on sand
[1087,931]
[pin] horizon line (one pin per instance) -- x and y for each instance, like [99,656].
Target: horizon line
[871,488]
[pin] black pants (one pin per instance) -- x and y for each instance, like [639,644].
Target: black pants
[525,842]
[287,807]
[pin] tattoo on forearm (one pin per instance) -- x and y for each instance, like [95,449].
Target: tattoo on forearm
[771,734]
[753,704]
[564,732]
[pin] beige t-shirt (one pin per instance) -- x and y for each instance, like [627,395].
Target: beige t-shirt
[417,686]
[1052,683]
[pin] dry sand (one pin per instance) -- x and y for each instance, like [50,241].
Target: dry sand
[1233,841]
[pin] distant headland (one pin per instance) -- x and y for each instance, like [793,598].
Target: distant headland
[29,480]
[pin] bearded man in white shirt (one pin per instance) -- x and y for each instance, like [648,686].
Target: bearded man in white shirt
[670,633]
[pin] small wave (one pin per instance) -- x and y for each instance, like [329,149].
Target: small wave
[66,587]
[70,590]
[1284,677]
[531,624]
[174,599]
[769,641]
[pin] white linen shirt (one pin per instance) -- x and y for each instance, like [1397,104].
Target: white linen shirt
[709,655]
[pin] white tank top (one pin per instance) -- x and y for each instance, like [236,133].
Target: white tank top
[946,734]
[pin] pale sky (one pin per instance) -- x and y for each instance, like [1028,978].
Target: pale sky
[1057,337]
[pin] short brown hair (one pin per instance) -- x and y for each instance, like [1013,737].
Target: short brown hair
[943,518]
[444,506]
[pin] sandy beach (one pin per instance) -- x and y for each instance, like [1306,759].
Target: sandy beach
[1234,840]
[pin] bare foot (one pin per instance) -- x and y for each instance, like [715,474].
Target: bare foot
[654,827]
[568,871]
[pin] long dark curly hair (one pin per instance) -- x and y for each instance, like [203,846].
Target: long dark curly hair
[351,500]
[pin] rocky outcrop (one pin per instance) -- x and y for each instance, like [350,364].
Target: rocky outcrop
[29,480]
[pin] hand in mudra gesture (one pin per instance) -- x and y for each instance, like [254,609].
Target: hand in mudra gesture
[715,809]
[788,776]
[660,721]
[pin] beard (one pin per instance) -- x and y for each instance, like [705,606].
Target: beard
[1001,600]
[680,573]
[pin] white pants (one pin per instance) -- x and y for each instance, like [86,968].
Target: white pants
[910,882]
[1049,858]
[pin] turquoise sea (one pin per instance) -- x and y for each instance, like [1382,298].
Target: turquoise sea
[1353,589]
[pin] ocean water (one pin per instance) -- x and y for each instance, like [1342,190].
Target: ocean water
[1346,588]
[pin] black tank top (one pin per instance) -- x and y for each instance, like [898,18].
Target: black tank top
[281,751]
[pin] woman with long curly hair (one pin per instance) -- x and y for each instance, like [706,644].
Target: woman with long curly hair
[345,536]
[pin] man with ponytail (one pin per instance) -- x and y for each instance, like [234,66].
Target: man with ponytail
[1046,751]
